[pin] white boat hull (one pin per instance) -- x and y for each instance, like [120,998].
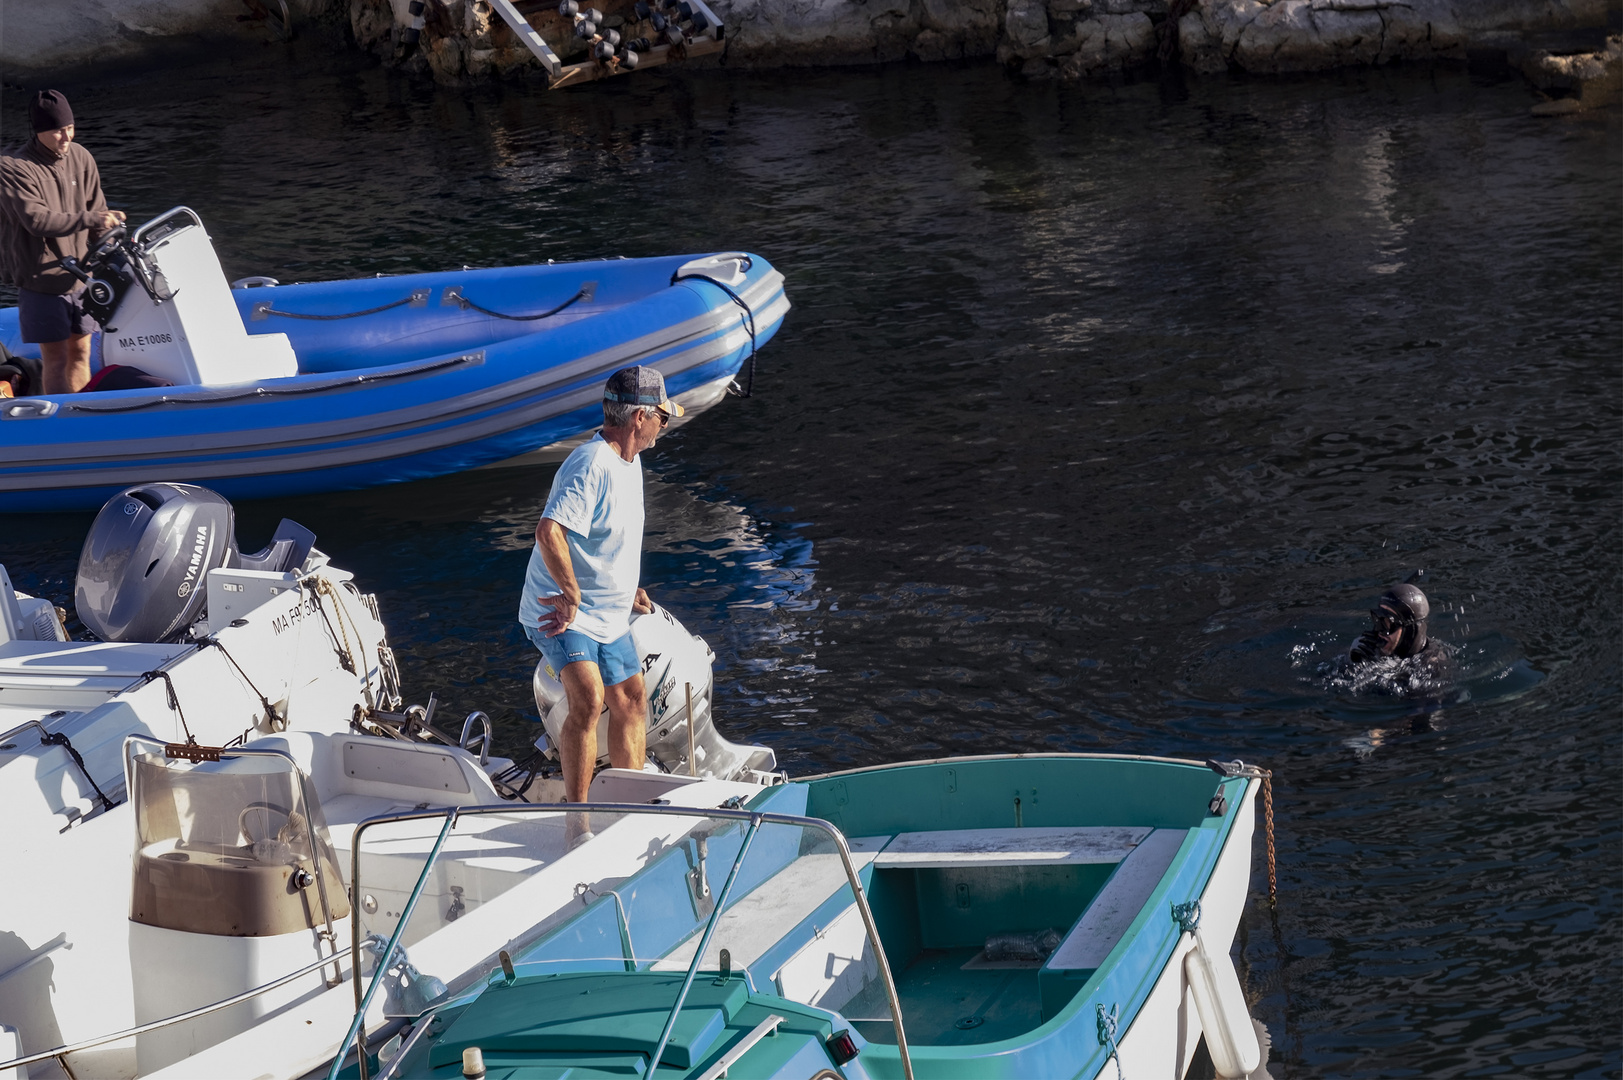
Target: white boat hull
[1163,1037]
[65,932]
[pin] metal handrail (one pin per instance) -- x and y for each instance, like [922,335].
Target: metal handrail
[24,726]
[484,741]
[178,1018]
[755,818]
[704,943]
[766,1027]
[45,735]
[140,232]
[357,1027]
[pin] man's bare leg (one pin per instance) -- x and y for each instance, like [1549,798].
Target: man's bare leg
[628,723]
[66,364]
[577,750]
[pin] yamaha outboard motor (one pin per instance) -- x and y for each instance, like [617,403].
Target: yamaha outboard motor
[144,567]
[143,573]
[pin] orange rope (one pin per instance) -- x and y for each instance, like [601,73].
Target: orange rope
[1268,812]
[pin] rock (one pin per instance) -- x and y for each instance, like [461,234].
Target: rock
[447,57]
[964,19]
[371,23]
[1026,25]
[1558,107]
[1314,35]
[45,37]
[1559,45]
[1130,7]
[1587,79]
[786,32]
[1109,43]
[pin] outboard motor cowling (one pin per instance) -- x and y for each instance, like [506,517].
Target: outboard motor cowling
[144,566]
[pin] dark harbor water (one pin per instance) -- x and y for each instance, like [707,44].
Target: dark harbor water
[1102,417]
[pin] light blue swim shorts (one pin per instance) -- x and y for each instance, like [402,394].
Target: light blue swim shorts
[617,661]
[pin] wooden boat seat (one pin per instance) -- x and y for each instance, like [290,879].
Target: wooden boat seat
[1107,917]
[959,848]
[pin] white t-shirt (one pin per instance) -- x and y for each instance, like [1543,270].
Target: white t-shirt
[597,498]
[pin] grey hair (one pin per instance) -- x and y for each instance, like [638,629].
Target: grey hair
[619,414]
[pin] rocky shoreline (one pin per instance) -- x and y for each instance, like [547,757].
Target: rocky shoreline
[1569,49]
[1562,46]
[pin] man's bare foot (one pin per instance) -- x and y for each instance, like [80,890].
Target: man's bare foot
[577,829]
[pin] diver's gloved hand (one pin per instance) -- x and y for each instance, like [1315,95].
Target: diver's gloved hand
[1367,647]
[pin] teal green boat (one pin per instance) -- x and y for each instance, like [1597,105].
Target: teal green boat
[1011,916]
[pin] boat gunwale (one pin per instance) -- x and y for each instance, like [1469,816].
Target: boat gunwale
[1041,755]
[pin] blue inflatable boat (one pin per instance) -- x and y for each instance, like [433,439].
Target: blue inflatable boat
[328,386]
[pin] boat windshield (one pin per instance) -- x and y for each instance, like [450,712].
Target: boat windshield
[450,902]
[232,843]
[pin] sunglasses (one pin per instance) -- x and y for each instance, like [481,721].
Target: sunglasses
[1386,622]
[664,417]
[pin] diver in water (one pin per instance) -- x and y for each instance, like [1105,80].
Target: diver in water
[1399,630]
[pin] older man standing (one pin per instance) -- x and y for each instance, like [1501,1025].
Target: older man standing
[581,588]
[51,206]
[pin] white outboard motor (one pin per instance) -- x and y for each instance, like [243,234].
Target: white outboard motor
[144,568]
[674,663]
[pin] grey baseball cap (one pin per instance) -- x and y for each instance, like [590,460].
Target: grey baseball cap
[640,386]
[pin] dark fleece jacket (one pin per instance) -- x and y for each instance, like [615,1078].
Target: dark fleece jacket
[49,207]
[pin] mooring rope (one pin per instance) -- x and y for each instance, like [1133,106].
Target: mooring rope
[341,645]
[1187,916]
[1240,768]
[1107,1032]
[174,701]
[1268,815]
[749,324]
[270,711]
[56,738]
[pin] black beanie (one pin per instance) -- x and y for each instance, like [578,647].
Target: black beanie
[49,111]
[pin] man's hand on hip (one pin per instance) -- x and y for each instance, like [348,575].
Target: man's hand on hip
[557,620]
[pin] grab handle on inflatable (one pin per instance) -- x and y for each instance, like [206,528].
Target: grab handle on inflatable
[30,409]
[727,268]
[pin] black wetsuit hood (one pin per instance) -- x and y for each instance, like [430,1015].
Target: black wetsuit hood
[1410,605]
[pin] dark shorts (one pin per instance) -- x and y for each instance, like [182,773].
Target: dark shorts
[44,317]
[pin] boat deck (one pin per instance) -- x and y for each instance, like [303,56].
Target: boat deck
[947,1001]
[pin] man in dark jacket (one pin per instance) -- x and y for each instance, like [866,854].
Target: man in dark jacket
[51,206]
